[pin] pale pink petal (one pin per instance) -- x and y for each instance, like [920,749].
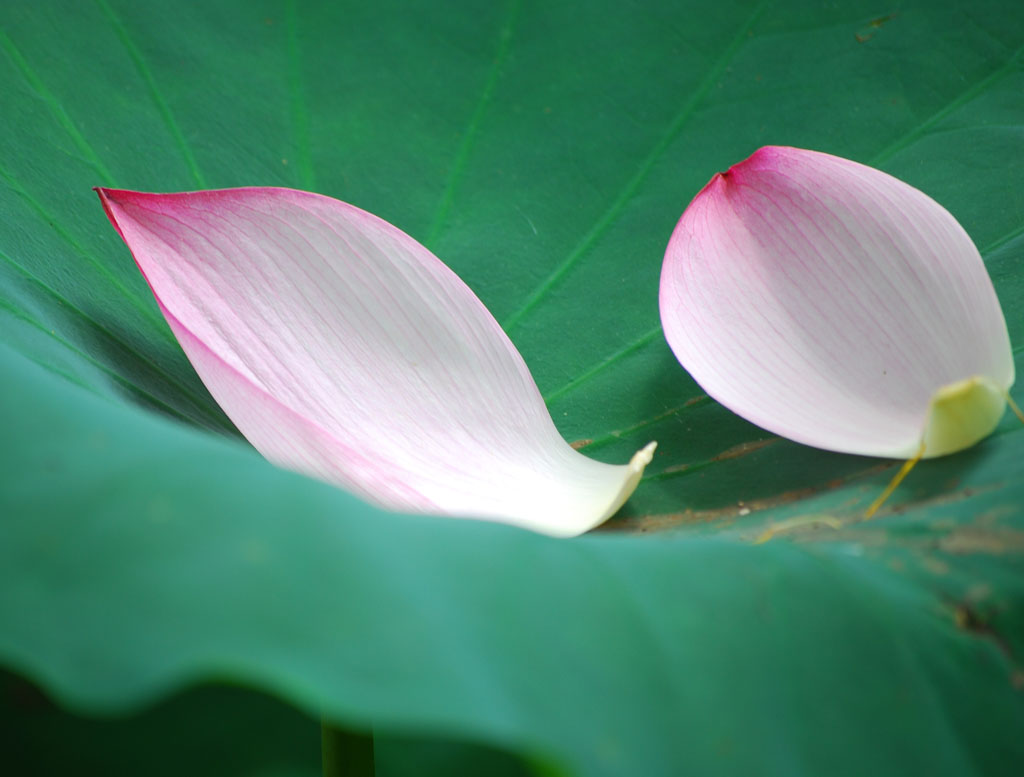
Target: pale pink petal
[344,349]
[830,303]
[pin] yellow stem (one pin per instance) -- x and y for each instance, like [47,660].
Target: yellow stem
[1013,406]
[894,483]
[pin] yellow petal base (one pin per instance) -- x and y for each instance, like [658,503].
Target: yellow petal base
[961,414]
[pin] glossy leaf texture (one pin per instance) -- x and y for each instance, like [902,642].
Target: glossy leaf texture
[544,152]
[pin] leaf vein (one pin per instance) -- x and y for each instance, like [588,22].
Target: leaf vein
[37,85]
[999,242]
[299,107]
[633,184]
[602,365]
[53,222]
[476,119]
[22,316]
[618,434]
[959,101]
[70,306]
[154,92]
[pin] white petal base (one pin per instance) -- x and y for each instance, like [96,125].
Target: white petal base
[961,414]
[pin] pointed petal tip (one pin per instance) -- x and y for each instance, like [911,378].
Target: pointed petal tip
[717,180]
[761,157]
[126,196]
[634,472]
[113,202]
[106,193]
[767,157]
[643,457]
[120,197]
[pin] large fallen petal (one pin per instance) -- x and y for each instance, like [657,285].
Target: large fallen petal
[344,349]
[837,306]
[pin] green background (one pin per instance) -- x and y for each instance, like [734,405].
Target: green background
[172,604]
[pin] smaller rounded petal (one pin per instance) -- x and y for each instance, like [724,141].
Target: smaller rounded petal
[835,305]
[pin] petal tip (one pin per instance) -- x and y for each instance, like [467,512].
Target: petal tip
[106,194]
[643,457]
[107,202]
[635,470]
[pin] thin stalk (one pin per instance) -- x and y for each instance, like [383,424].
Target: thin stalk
[904,471]
[345,753]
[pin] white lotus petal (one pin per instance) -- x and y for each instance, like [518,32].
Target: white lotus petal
[835,305]
[343,349]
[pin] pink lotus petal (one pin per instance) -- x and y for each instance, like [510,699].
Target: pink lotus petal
[344,349]
[837,306]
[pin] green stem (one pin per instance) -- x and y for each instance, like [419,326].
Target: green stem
[345,753]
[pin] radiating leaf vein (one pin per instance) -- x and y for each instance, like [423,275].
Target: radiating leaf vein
[998,243]
[469,136]
[54,223]
[37,85]
[22,316]
[154,92]
[143,358]
[618,434]
[633,184]
[960,100]
[602,365]
[299,110]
